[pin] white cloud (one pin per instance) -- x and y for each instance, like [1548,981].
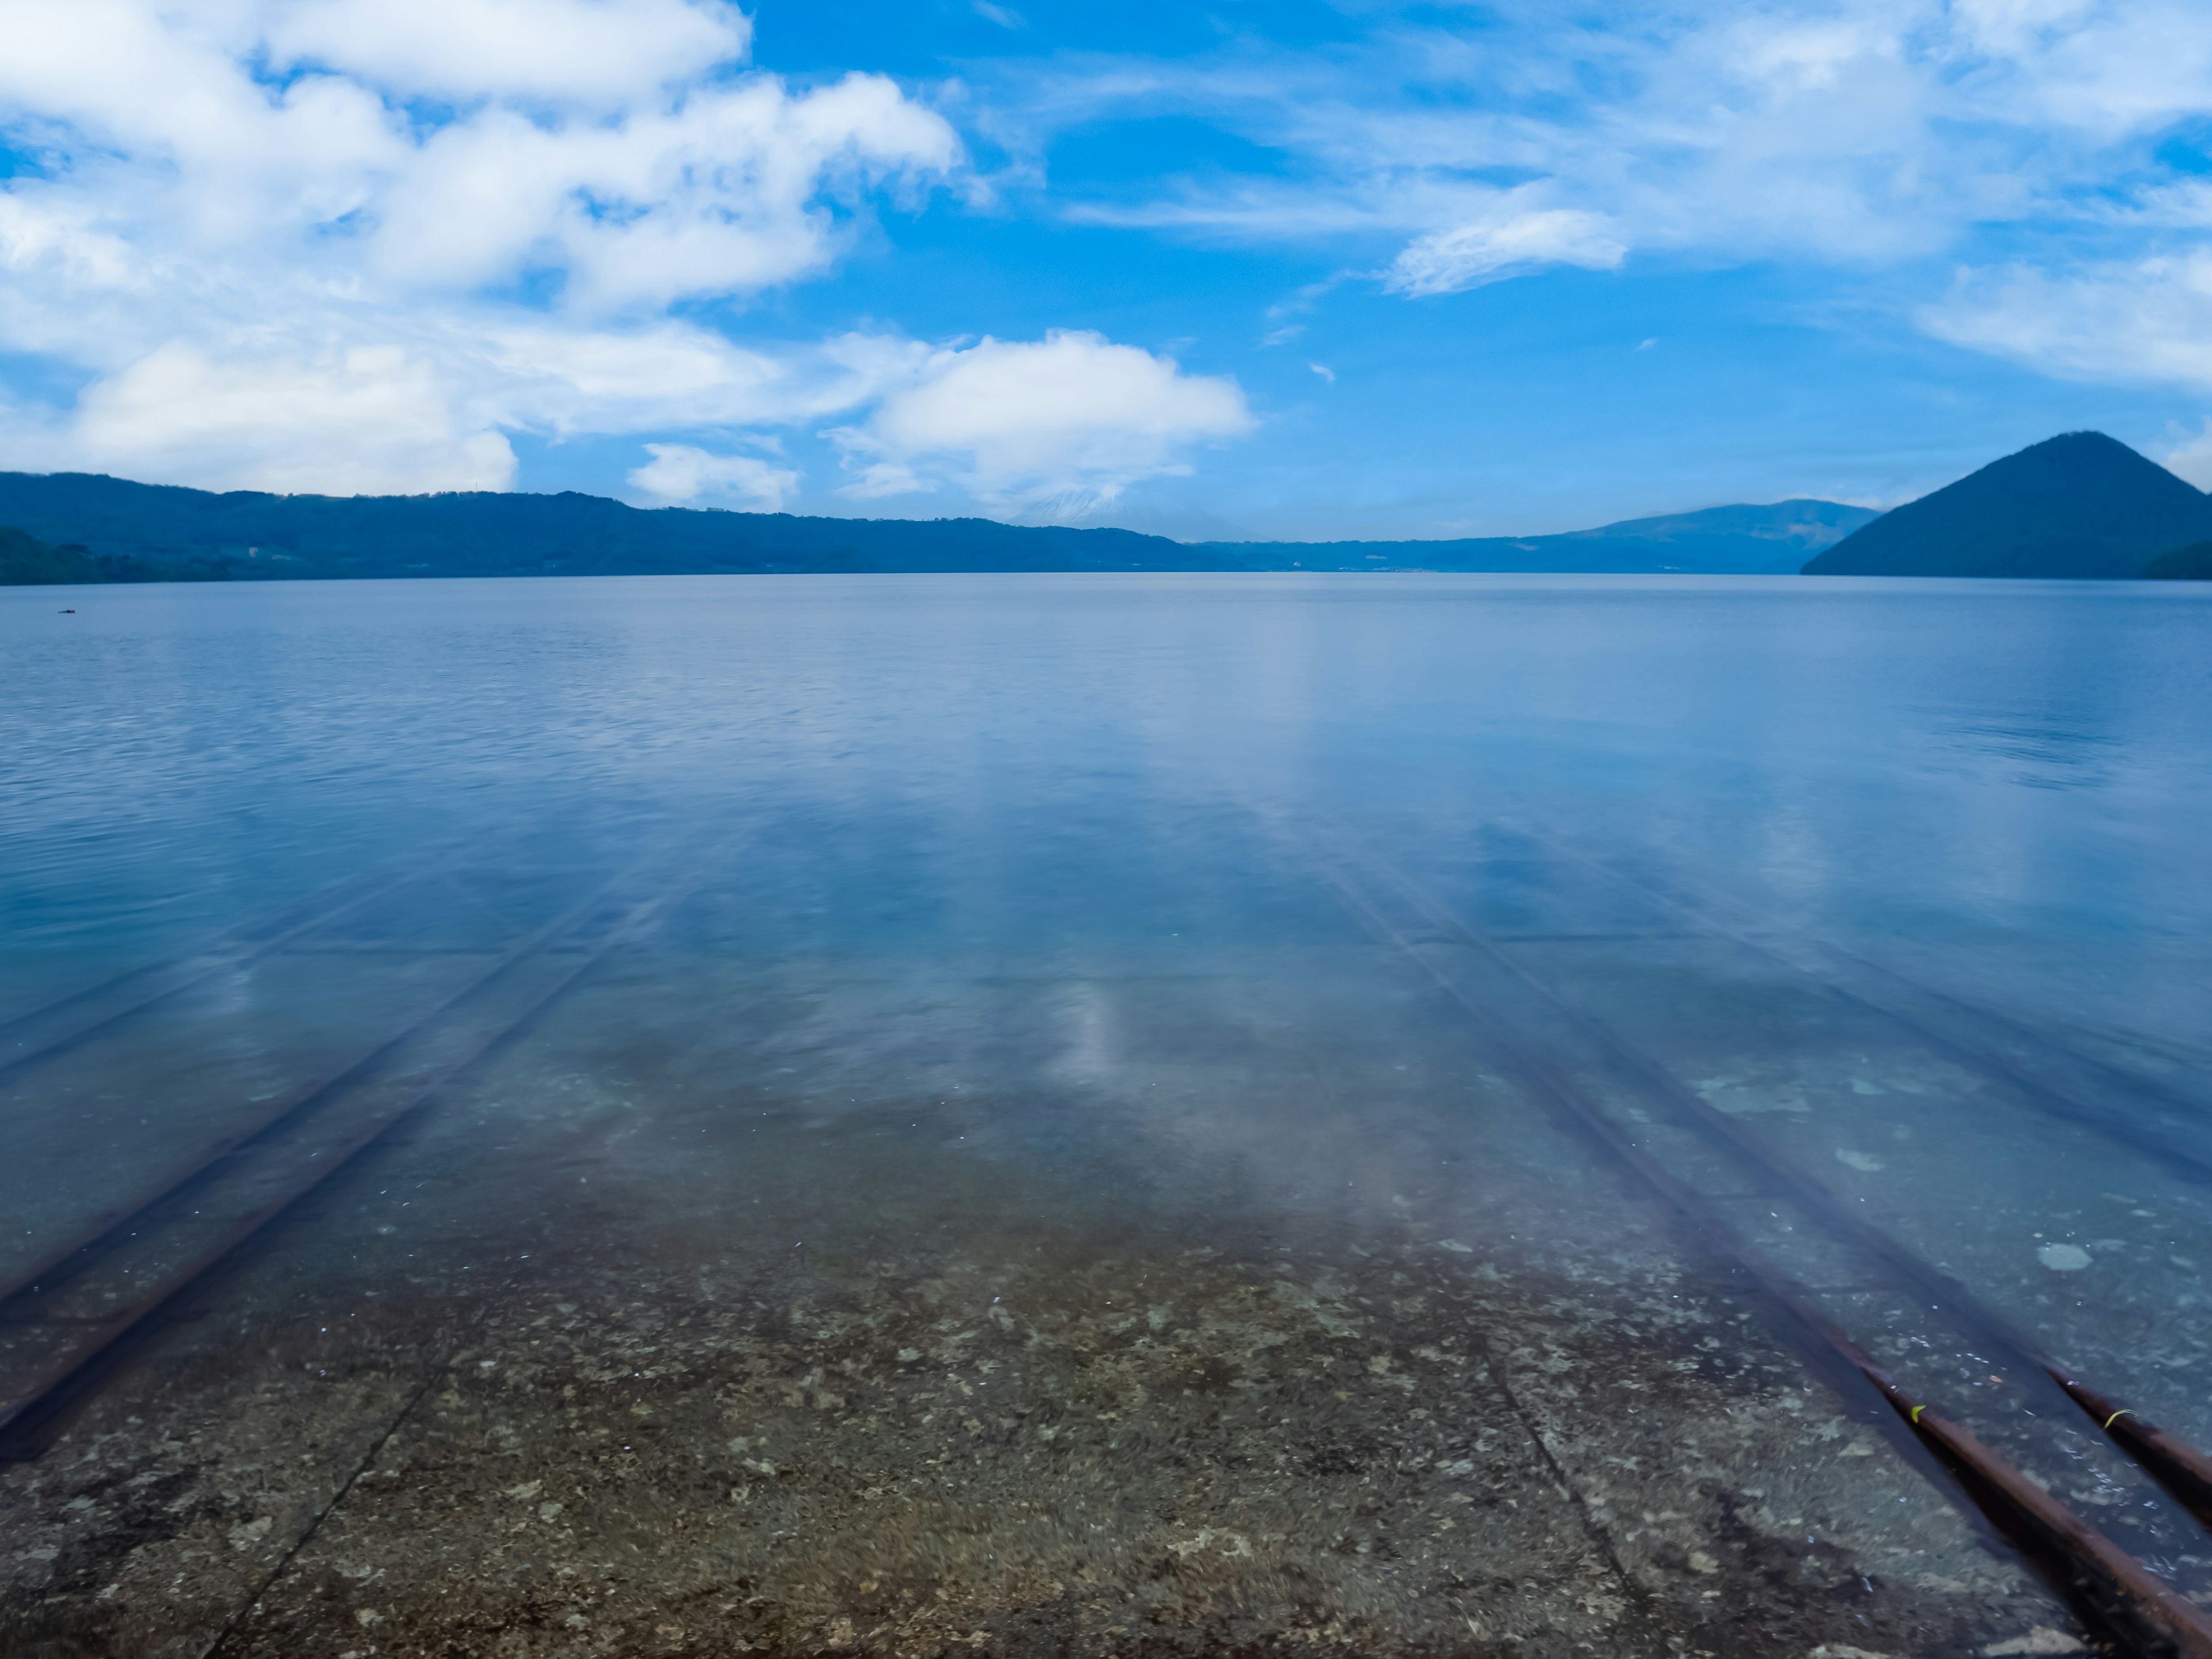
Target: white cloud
[156,117]
[1019,421]
[239,208]
[1899,136]
[573,382]
[582,50]
[463,219]
[278,408]
[2148,320]
[679,472]
[1867,133]
[2191,458]
[369,420]
[728,193]
[1504,244]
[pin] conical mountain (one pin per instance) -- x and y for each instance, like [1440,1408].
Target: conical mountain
[2081,504]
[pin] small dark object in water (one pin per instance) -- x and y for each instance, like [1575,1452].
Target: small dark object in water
[71,612]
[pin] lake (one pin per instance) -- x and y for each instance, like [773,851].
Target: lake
[1137,1114]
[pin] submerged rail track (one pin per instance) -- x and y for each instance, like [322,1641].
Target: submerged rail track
[1787,1245]
[68,1021]
[311,1097]
[63,1326]
[2138,1113]
[1773,1230]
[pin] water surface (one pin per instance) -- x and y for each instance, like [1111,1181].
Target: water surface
[901,966]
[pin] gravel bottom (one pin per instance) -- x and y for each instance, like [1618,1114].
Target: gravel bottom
[1031,1452]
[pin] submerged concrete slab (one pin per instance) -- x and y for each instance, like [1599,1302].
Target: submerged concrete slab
[982,1328]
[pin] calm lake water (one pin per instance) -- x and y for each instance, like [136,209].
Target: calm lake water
[819,1003]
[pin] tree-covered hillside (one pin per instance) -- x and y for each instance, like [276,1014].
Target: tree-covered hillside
[137,532]
[27,561]
[247,535]
[2190,563]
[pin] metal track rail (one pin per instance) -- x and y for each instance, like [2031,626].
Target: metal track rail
[55,1336]
[70,1021]
[302,1099]
[2184,1472]
[2136,1112]
[2149,1614]
[2053,1076]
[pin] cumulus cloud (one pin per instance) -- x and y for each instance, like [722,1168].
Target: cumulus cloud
[159,121]
[461,220]
[680,473]
[573,382]
[1016,422]
[367,420]
[727,194]
[353,244]
[588,51]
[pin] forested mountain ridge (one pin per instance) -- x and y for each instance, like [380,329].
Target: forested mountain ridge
[27,561]
[2190,563]
[245,534]
[159,532]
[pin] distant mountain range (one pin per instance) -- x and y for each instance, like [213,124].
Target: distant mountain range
[93,528]
[2079,505]
[1744,541]
[247,535]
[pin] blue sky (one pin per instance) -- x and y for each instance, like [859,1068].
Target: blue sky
[1280,270]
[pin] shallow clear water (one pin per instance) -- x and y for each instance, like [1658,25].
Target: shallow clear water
[1949,763]
[1013,915]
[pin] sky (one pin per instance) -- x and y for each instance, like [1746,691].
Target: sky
[1271,269]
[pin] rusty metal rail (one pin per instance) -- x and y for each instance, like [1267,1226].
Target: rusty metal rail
[2180,1468]
[2053,1076]
[2125,1594]
[2147,1614]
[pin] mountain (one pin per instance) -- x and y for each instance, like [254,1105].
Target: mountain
[2190,564]
[2081,504]
[117,531]
[27,561]
[247,535]
[1716,541]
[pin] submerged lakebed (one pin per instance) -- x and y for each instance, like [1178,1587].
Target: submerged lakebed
[1090,1114]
